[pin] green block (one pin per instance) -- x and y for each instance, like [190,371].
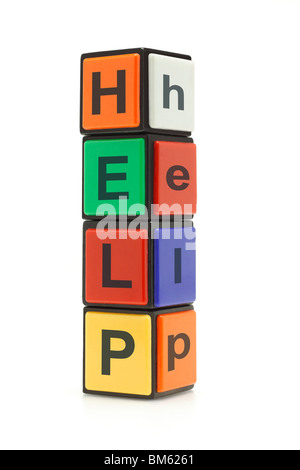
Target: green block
[112,169]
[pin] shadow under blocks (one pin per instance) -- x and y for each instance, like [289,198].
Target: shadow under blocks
[139,196]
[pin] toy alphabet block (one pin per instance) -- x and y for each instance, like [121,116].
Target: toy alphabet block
[141,174]
[144,354]
[139,266]
[139,194]
[137,90]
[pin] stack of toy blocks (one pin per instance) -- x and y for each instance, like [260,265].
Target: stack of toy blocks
[139,197]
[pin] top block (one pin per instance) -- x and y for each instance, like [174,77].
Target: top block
[137,90]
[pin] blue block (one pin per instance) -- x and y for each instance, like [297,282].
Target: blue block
[174,266]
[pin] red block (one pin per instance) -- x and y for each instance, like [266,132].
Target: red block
[123,261]
[175,176]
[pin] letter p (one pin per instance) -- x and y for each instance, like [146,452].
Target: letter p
[172,354]
[108,353]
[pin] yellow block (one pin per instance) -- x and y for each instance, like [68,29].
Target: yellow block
[130,375]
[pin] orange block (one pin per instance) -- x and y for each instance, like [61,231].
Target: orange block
[176,350]
[111,92]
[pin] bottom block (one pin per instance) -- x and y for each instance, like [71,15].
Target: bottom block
[139,354]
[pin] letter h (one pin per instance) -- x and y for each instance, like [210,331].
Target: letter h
[119,91]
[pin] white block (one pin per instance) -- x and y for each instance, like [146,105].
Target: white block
[171,93]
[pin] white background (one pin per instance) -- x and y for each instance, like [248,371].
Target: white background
[247,132]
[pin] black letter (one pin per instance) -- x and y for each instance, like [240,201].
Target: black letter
[172,354]
[106,271]
[108,354]
[167,91]
[171,177]
[98,92]
[104,176]
[178,266]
